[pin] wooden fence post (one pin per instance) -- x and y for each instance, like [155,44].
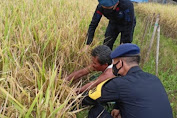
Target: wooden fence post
[150,27]
[157,50]
[152,38]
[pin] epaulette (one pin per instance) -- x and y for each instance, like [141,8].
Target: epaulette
[96,92]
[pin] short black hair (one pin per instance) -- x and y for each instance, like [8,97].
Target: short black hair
[102,52]
[132,59]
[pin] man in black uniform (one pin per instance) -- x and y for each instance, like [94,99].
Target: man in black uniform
[136,94]
[121,20]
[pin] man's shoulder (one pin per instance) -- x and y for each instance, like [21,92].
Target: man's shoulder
[108,73]
[149,75]
[115,81]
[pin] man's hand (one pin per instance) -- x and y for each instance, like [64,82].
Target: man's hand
[115,113]
[78,91]
[85,49]
[68,78]
[80,73]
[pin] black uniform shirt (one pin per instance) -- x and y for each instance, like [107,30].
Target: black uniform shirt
[123,16]
[137,95]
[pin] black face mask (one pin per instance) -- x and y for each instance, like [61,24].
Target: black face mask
[115,70]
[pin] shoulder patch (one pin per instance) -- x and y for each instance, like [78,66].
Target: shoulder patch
[96,92]
[98,12]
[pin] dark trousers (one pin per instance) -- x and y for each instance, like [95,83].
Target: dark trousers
[113,31]
[98,111]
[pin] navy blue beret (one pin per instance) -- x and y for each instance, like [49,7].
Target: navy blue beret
[125,50]
[107,3]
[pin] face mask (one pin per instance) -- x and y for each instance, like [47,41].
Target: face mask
[115,70]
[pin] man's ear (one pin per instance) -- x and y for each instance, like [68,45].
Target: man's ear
[106,64]
[122,63]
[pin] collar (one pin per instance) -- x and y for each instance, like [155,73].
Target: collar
[110,66]
[134,69]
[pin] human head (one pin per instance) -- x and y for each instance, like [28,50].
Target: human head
[108,3]
[101,57]
[124,57]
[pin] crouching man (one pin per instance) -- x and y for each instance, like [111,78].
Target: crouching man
[137,94]
[101,61]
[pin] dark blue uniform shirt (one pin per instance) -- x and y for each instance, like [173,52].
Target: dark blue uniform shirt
[122,16]
[137,95]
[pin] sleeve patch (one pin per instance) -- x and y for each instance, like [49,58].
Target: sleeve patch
[117,9]
[96,92]
[98,12]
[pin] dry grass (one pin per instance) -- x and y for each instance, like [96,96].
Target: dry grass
[168,16]
[40,45]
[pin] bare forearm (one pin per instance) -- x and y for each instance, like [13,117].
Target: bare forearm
[93,84]
[88,86]
[77,74]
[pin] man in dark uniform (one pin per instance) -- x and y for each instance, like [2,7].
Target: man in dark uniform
[121,20]
[136,94]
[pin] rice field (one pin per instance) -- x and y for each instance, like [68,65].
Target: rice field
[168,16]
[40,43]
